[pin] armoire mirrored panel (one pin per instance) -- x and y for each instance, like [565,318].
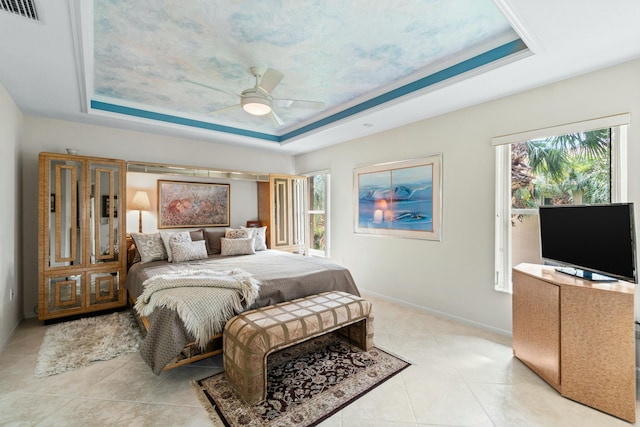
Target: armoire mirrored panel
[64,214]
[103,213]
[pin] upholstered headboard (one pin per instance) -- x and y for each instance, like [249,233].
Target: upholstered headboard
[212,238]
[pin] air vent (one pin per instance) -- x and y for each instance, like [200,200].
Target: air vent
[24,8]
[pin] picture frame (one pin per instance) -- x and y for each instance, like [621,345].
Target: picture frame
[193,204]
[105,206]
[399,199]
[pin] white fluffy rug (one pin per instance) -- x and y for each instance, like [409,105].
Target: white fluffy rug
[71,345]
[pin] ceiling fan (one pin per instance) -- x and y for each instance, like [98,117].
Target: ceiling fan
[258,100]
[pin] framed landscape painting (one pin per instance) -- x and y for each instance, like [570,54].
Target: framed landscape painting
[401,199]
[192,204]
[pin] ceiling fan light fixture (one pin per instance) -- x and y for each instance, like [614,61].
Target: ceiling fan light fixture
[258,100]
[256,105]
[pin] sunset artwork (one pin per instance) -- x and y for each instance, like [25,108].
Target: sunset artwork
[400,199]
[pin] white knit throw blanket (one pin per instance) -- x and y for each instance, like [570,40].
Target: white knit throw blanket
[204,299]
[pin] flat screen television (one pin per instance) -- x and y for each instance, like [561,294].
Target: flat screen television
[596,242]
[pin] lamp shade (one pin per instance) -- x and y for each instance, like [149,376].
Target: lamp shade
[140,201]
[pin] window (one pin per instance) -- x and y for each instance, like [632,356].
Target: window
[571,167]
[318,214]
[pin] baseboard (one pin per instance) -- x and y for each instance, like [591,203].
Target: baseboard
[440,313]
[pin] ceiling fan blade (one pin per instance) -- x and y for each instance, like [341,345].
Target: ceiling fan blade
[211,87]
[225,109]
[297,103]
[276,118]
[270,80]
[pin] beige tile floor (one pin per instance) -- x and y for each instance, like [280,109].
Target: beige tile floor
[462,376]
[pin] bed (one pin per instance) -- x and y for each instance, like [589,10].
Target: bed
[281,276]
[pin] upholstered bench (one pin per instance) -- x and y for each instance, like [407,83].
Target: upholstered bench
[251,336]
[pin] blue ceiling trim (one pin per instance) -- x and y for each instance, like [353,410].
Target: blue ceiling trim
[104,106]
[478,61]
[485,58]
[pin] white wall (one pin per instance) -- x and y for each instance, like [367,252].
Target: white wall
[10,129]
[243,196]
[455,276]
[43,134]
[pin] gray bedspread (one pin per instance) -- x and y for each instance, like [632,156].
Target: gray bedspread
[282,277]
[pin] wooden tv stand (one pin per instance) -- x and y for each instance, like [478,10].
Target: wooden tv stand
[578,336]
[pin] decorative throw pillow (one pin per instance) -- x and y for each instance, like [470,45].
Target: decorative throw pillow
[172,236]
[213,241]
[249,232]
[240,246]
[166,237]
[235,233]
[199,235]
[259,235]
[188,251]
[150,247]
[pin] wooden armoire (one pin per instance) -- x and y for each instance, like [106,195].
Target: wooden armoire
[81,235]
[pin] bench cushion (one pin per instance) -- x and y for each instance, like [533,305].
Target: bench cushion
[251,336]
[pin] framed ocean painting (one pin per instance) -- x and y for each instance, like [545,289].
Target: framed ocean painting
[192,204]
[401,199]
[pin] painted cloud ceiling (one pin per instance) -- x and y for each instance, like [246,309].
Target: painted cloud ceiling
[350,55]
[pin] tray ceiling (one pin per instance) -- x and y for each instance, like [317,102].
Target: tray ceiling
[374,65]
[152,60]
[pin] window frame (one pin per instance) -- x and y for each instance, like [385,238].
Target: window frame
[309,212]
[503,243]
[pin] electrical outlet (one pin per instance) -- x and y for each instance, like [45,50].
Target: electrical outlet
[11,294]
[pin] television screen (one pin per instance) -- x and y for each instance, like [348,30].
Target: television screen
[595,238]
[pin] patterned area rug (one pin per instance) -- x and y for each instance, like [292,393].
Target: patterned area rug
[70,345]
[307,383]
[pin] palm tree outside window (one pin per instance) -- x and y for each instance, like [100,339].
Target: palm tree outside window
[571,168]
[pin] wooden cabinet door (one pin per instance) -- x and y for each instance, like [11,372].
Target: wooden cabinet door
[104,235]
[104,288]
[61,211]
[105,213]
[598,357]
[61,294]
[536,326]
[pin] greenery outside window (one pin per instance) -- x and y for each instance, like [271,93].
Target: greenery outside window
[318,214]
[576,167]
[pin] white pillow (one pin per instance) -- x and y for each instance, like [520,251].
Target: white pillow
[240,246]
[150,247]
[188,251]
[260,237]
[235,233]
[172,236]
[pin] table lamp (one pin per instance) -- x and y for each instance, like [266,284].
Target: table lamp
[140,201]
